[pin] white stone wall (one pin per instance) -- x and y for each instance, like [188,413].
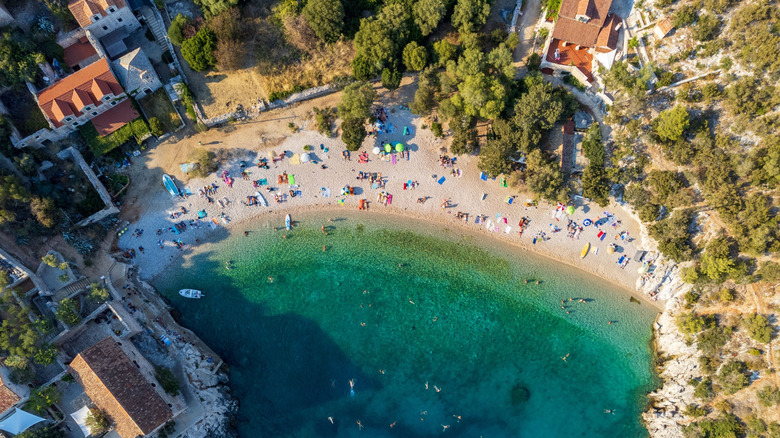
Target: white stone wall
[111,22]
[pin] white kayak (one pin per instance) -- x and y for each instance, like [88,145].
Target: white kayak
[191,293]
[261,199]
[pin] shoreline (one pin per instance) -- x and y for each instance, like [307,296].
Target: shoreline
[436,222]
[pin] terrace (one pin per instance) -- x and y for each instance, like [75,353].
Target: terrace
[572,56]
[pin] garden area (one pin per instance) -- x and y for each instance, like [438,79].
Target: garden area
[135,131]
[162,116]
[23,111]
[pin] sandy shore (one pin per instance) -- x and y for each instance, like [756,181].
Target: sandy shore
[466,193]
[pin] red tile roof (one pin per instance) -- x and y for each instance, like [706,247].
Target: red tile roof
[116,386]
[8,398]
[83,10]
[77,52]
[599,31]
[115,118]
[568,55]
[93,82]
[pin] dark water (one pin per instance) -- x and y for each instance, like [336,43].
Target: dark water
[491,344]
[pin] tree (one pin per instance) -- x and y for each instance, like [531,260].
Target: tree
[17,63]
[5,279]
[169,383]
[391,79]
[42,398]
[733,377]
[326,18]
[481,95]
[711,340]
[704,390]
[544,178]
[425,96]
[362,68]
[380,39]
[758,327]
[415,56]
[206,160]
[445,52]
[176,29]
[684,16]
[690,324]
[470,15]
[464,138]
[534,62]
[769,271]
[98,293]
[718,263]
[198,50]
[670,125]
[674,239]
[11,192]
[17,362]
[17,334]
[67,312]
[356,101]
[769,395]
[50,260]
[706,28]
[428,14]
[46,355]
[44,432]
[353,131]
[725,426]
[44,211]
[155,126]
[97,421]
[214,7]
[500,61]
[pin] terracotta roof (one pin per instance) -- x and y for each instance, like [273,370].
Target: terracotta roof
[665,25]
[586,34]
[93,82]
[115,118]
[116,386]
[608,36]
[8,398]
[83,10]
[77,52]
[596,10]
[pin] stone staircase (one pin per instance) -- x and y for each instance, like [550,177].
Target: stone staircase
[72,288]
[154,22]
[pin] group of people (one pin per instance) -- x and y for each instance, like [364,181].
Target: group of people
[446,161]
[573,230]
[210,190]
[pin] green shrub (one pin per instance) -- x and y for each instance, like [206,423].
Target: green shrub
[758,327]
[68,313]
[725,426]
[703,390]
[353,132]
[768,395]
[710,341]
[97,421]
[733,376]
[726,295]
[42,398]
[324,119]
[695,411]
[206,160]
[100,146]
[437,130]
[155,127]
[279,95]
[198,51]
[169,383]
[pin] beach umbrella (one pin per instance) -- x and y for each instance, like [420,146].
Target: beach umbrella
[570,209]
[399,147]
[376,150]
[272,154]
[587,223]
[305,158]
[388,148]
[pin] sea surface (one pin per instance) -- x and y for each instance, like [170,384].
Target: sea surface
[438,332]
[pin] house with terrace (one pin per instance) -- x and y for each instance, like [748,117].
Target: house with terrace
[585,31]
[92,94]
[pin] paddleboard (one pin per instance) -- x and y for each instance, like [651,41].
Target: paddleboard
[287,221]
[585,250]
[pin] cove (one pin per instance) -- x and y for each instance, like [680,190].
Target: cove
[438,332]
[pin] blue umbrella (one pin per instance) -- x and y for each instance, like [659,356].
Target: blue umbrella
[586,222]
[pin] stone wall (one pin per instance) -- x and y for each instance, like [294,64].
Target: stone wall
[71,37]
[110,208]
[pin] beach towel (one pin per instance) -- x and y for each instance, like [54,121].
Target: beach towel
[297,193]
[291,179]
[393,158]
[341,201]
[483,176]
[325,192]
[374,186]
[508,229]
[509,200]
[406,130]
[264,182]
[441,180]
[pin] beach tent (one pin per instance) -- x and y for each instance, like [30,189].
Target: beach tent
[80,417]
[376,150]
[19,421]
[388,148]
[570,209]
[399,147]
[305,158]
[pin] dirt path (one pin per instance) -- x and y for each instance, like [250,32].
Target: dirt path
[525,28]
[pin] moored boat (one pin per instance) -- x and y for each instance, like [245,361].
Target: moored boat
[585,250]
[261,199]
[170,185]
[191,293]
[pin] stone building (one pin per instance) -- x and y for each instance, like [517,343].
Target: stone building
[101,17]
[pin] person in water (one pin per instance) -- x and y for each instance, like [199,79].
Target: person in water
[227,265]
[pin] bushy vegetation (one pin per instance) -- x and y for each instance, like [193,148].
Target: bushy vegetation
[198,50]
[758,327]
[733,376]
[131,132]
[169,383]
[67,312]
[97,422]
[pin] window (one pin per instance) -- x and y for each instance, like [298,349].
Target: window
[111,9]
[96,18]
[106,98]
[113,103]
[119,19]
[75,124]
[105,27]
[94,113]
[87,108]
[67,119]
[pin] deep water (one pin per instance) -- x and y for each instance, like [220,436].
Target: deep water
[434,330]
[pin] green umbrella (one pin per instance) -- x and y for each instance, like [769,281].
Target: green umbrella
[399,147]
[388,148]
[570,209]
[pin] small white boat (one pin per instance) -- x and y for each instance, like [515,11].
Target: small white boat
[191,293]
[170,185]
[261,199]
[287,221]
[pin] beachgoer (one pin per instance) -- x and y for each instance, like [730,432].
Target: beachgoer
[270,279]
[445,426]
[323,228]
[324,248]
[609,322]
[392,425]
[246,233]
[331,420]
[426,386]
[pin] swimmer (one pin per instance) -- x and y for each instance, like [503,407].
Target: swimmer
[457,416]
[393,424]
[435,318]
[526,281]
[331,420]
[365,292]
[565,357]
[324,248]
[445,427]
[362,324]
[609,322]
[323,228]
[246,233]
[609,411]
[332,383]
[284,236]
[426,386]
[423,412]
[360,425]
[537,281]
[227,265]
[270,279]
[436,388]
[352,388]
[410,300]
[381,371]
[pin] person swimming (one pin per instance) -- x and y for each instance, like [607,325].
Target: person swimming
[227,265]
[352,388]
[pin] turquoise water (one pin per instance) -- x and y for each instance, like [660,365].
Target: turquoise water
[490,343]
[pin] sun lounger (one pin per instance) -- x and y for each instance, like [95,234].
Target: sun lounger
[441,180]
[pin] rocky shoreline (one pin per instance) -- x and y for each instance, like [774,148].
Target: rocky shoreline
[678,360]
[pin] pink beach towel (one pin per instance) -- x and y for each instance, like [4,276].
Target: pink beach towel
[393,158]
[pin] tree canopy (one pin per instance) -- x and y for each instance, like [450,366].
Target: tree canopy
[470,15]
[198,51]
[671,124]
[356,101]
[326,18]
[214,7]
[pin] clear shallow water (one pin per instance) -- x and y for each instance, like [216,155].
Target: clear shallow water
[491,343]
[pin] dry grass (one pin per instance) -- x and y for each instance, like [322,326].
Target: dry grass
[319,69]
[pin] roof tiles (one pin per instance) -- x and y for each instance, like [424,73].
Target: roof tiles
[84,10]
